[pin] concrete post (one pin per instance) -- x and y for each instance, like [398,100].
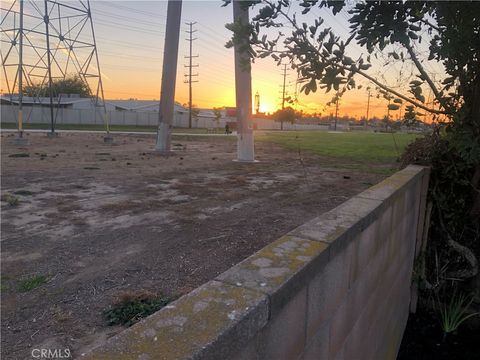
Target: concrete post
[243,92]
[169,75]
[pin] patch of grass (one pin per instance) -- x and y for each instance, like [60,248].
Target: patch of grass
[132,306]
[32,283]
[10,199]
[19,155]
[3,286]
[23,193]
[358,147]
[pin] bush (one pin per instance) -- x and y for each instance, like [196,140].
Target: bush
[130,307]
[454,232]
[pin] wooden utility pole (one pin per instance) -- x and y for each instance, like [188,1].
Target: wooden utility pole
[368,107]
[283,91]
[243,89]
[190,66]
[336,113]
[169,76]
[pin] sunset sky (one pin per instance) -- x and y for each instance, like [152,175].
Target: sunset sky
[130,40]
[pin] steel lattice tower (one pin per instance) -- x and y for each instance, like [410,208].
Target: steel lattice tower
[43,41]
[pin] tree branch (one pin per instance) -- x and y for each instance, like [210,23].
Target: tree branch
[426,77]
[413,102]
[375,81]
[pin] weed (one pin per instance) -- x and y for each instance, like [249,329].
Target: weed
[23,193]
[131,306]
[32,283]
[455,313]
[91,168]
[19,155]
[10,199]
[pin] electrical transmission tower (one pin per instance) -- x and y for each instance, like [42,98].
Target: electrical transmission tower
[190,76]
[44,42]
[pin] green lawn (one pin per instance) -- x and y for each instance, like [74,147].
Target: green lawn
[357,147]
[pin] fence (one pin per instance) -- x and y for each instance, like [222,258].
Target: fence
[38,115]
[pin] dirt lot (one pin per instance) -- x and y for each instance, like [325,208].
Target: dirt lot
[97,219]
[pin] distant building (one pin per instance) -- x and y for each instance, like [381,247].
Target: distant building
[73,101]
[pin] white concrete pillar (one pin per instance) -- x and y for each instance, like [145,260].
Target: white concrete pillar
[169,77]
[243,92]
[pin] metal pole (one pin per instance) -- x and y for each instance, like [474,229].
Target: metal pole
[190,82]
[169,75]
[49,64]
[20,75]
[243,90]
[190,75]
[107,138]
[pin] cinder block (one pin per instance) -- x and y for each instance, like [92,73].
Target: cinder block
[284,336]
[280,269]
[340,225]
[340,326]
[398,211]
[327,291]
[388,189]
[358,345]
[318,345]
[249,352]
[385,230]
[364,248]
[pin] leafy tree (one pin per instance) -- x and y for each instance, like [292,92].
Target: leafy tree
[399,29]
[195,113]
[287,114]
[410,117]
[218,115]
[72,84]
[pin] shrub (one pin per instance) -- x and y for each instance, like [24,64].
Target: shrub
[130,307]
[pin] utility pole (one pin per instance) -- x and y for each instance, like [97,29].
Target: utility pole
[169,75]
[368,106]
[284,82]
[336,113]
[49,65]
[190,75]
[243,88]
[283,91]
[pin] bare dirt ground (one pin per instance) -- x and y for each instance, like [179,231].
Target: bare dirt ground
[105,218]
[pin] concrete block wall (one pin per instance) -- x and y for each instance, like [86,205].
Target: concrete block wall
[337,287]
